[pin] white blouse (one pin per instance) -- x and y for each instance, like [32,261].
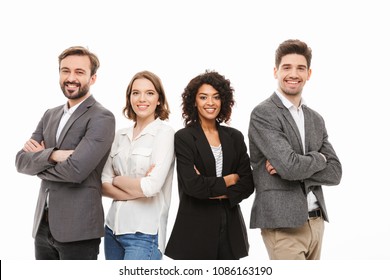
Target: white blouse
[218,155]
[149,215]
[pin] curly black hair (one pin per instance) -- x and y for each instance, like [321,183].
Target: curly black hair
[217,81]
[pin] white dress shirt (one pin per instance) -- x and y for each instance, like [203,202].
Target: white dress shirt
[65,117]
[133,157]
[299,118]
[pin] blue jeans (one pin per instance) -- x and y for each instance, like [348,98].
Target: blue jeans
[134,246]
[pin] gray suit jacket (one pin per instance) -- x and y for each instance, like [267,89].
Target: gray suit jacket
[280,200]
[75,204]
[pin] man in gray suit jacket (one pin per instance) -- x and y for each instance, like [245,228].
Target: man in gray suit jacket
[291,158]
[67,151]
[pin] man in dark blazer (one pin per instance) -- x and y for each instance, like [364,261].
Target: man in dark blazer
[67,151]
[291,158]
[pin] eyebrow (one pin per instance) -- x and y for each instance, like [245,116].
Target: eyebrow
[146,90]
[289,64]
[202,93]
[77,69]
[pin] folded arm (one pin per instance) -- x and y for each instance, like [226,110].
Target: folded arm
[92,148]
[191,182]
[123,187]
[266,134]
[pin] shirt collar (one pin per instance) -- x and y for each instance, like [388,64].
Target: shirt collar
[287,102]
[71,110]
[151,128]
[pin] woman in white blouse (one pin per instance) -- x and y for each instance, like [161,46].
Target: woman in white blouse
[138,174]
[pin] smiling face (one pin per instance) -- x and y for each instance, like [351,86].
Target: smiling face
[292,75]
[208,103]
[75,77]
[144,99]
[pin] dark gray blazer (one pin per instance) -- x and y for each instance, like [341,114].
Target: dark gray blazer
[75,204]
[280,200]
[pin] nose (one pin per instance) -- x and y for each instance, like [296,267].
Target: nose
[210,100]
[294,72]
[142,97]
[71,77]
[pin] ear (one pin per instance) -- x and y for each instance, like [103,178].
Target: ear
[308,74]
[92,80]
[275,72]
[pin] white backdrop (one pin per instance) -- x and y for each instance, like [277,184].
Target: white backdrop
[180,39]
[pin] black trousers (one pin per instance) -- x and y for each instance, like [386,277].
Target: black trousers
[47,248]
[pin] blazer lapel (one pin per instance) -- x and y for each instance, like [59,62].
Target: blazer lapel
[76,114]
[287,115]
[309,127]
[205,152]
[227,150]
[50,141]
[294,126]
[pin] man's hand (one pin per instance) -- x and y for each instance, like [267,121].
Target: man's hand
[60,155]
[270,169]
[32,146]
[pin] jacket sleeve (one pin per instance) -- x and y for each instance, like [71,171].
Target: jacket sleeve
[92,148]
[331,174]
[34,163]
[245,185]
[191,183]
[267,135]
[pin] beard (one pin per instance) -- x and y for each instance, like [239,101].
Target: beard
[290,92]
[82,90]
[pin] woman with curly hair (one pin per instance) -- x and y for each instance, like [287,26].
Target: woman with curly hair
[214,175]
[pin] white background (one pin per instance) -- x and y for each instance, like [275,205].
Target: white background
[178,40]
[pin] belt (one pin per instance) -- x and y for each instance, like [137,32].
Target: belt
[315,213]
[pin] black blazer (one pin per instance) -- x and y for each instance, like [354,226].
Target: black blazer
[196,229]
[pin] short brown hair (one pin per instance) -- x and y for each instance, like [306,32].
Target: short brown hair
[162,110]
[78,50]
[292,46]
